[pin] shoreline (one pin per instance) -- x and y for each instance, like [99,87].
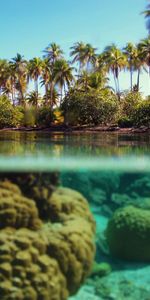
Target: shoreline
[81,129]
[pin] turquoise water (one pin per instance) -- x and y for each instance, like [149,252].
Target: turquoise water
[123,270]
[112,172]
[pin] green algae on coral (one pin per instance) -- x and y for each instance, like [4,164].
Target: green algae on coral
[128,234]
[101,269]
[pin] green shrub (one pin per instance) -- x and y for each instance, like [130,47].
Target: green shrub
[29,116]
[125,122]
[10,116]
[44,116]
[142,113]
[94,107]
[128,106]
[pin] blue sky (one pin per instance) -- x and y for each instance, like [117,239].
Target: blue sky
[28,26]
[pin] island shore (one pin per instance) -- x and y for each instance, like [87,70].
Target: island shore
[82,129]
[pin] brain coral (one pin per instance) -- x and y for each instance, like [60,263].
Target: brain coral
[35,185]
[15,210]
[128,234]
[49,260]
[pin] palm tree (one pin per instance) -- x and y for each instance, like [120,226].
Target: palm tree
[83,82]
[89,56]
[115,61]
[98,81]
[9,80]
[35,68]
[138,65]
[46,77]
[19,68]
[88,81]
[62,75]
[144,49]
[100,64]
[3,74]
[130,52]
[33,99]
[53,52]
[77,50]
[51,98]
[147,16]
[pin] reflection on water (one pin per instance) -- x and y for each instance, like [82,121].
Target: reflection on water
[81,144]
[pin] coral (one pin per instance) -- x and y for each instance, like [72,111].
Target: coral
[38,186]
[65,203]
[140,186]
[128,234]
[70,239]
[97,187]
[48,261]
[16,210]
[26,271]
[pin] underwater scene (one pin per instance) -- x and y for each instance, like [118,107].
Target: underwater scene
[75,234]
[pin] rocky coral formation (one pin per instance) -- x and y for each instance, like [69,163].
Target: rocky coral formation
[16,210]
[128,234]
[65,203]
[49,261]
[26,271]
[38,186]
[108,191]
[97,187]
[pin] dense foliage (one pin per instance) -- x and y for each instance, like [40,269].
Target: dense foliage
[104,108]
[79,86]
[90,108]
[10,116]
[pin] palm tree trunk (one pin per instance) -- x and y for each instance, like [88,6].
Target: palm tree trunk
[21,96]
[61,97]
[115,83]
[79,71]
[138,80]
[12,96]
[51,96]
[131,78]
[37,91]
[118,87]
[46,93]
[12,92]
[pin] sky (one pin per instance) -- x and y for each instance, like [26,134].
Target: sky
[28,26]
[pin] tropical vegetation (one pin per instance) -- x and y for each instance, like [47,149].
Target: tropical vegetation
[79,88]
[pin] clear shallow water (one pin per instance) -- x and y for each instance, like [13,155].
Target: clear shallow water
[77,144]
[112,172]
[126,274]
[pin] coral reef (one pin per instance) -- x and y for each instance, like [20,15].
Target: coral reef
[26,271]
[108,191]
[16,210]
[40,258]
[38,186]
[93,185]
[128,234]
